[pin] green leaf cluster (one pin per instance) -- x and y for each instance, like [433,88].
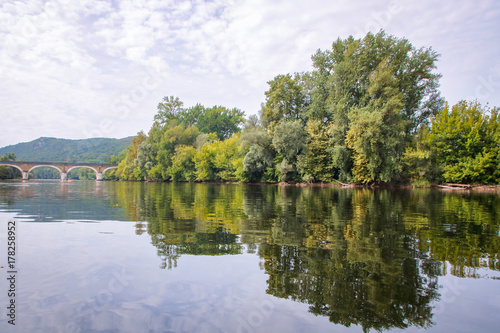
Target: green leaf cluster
[465,140]
[193,144]
[220,120]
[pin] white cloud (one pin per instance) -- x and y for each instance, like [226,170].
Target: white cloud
[70,68]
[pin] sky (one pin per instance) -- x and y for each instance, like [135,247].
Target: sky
[98,68]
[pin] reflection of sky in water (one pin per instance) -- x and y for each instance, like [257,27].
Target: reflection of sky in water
[93,272]
[53,201]
[103,277]
[77,277]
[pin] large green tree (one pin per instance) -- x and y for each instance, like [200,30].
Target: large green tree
[220,120]
[376,132]
[169,108]
[343,80]
[183,167]
[173,136]
[317,164]
[221,161]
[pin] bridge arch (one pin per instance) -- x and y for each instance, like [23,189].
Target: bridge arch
[44,165]
[23,174]
[63,168]
[82,166]
[103,171]
[41,166]
[11,165]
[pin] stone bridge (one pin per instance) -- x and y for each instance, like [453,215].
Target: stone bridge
[63,168]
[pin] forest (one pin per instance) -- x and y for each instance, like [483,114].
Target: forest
[370,112]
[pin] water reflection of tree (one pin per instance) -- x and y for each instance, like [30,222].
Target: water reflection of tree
[362,257]
[194,219]
[461,230]
[351,260]
[171,248]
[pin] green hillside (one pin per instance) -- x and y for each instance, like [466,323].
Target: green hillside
[95,150]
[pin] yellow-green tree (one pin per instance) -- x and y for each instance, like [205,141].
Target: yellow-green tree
[317,164]
[183,167]
[127,168]
[221,161]
[376,133]
[173,136]
[466,141]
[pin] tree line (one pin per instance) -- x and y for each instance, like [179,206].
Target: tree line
[369,112]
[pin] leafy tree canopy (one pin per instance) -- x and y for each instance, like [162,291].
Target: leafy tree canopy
[466,142]
[342,78]
[287,98]
[217,119]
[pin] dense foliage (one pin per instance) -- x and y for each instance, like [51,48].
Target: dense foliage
[187,144]
[369,112]
[465,140]
[8,172]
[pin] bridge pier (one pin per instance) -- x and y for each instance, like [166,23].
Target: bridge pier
[64,175]
[25,175]
[98,176]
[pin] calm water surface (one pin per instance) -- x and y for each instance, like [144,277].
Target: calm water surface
[136,257]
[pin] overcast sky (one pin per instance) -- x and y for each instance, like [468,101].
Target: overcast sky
[98,68]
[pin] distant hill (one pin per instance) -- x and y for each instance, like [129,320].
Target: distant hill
[95,150]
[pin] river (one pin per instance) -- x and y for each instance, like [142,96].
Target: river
[178,257]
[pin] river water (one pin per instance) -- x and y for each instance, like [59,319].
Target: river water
[148,257]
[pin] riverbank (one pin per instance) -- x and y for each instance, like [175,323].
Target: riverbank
[444,186]
[467,187]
